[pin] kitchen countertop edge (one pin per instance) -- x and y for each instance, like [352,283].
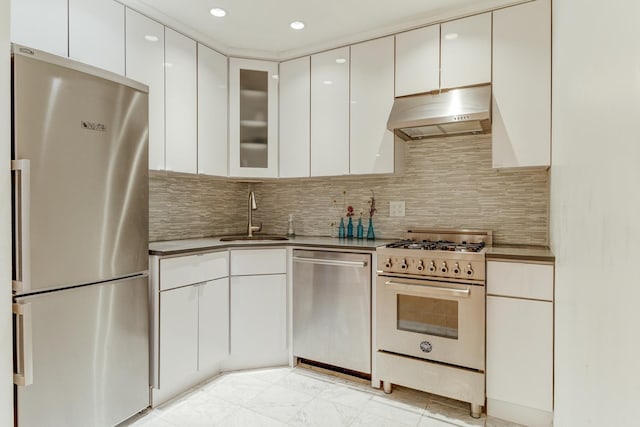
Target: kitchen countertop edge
[186,246]
[520,253]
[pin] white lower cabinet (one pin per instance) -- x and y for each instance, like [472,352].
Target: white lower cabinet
[258,308]
[178,340]
[258,321]
[213,325]
[194,336]
[519,371]
[190,320]
[205,322]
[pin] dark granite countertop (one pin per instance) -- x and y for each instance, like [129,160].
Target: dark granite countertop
[520,252]
[174,247]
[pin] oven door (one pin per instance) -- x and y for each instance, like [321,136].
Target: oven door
[434,320]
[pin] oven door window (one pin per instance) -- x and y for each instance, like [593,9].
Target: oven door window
[429,316]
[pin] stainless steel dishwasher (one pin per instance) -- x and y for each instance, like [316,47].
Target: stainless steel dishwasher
[332,308]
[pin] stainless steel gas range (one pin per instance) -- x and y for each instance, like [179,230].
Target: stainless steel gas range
[430,313]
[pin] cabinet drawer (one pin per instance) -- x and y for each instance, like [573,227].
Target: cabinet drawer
[258,261]
[520,280]
[185,270]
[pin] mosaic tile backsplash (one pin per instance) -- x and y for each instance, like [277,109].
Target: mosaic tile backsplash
[183,206]
[446,183]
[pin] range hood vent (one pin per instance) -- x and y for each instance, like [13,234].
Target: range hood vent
[454,112]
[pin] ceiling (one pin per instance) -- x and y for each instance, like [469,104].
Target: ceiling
[259,28]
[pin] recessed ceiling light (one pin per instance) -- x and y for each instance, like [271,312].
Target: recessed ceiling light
[327,82]
[217,12]
[340,61]
[168,64]
[451,36]
[297,25]
[151,38]
[275,76]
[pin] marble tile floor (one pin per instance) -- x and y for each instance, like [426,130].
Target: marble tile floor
[278,397]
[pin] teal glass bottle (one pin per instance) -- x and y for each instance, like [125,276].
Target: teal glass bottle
[341,229]
[350,229]
[371,234]
[360,229]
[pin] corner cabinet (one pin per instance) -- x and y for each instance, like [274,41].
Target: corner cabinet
[519,367]
[258,309]
[253,118]
[521,130]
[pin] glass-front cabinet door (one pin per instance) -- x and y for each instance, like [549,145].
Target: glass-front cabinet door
[253,118]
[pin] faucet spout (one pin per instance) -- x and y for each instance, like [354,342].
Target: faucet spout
[251,207]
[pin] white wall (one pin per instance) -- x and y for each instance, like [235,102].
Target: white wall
[595,211]
[6,363]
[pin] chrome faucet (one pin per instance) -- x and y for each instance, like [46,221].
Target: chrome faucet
[252,206]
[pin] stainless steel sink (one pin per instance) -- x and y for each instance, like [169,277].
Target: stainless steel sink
[256,237]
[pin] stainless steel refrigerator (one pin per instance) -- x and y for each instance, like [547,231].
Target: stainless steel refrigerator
[80,243]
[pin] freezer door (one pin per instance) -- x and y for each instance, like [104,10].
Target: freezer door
[88,355]
[85,139]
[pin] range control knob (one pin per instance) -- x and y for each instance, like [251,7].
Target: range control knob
[432,267]
[403,264]
[469,270]
[420,266]
[387,263]
[443,267]
[456,268]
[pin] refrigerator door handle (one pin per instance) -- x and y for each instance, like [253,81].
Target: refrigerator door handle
[24,345]
[22,231]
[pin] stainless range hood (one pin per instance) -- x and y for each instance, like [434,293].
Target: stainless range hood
[454,112]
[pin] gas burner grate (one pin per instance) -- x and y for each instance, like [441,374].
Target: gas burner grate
[440,245]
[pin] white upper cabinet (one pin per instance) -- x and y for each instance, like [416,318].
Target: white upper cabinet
[40,24]
[522,85]
[180,103]
[465,47]
[253,118]
[212,112]
[372,86]
[418,61]
[295,117]
[145,63]
[330,113]
[96,33]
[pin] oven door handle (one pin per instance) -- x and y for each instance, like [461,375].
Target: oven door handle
[429,288]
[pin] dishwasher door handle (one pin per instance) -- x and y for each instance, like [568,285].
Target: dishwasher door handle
[332,262]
